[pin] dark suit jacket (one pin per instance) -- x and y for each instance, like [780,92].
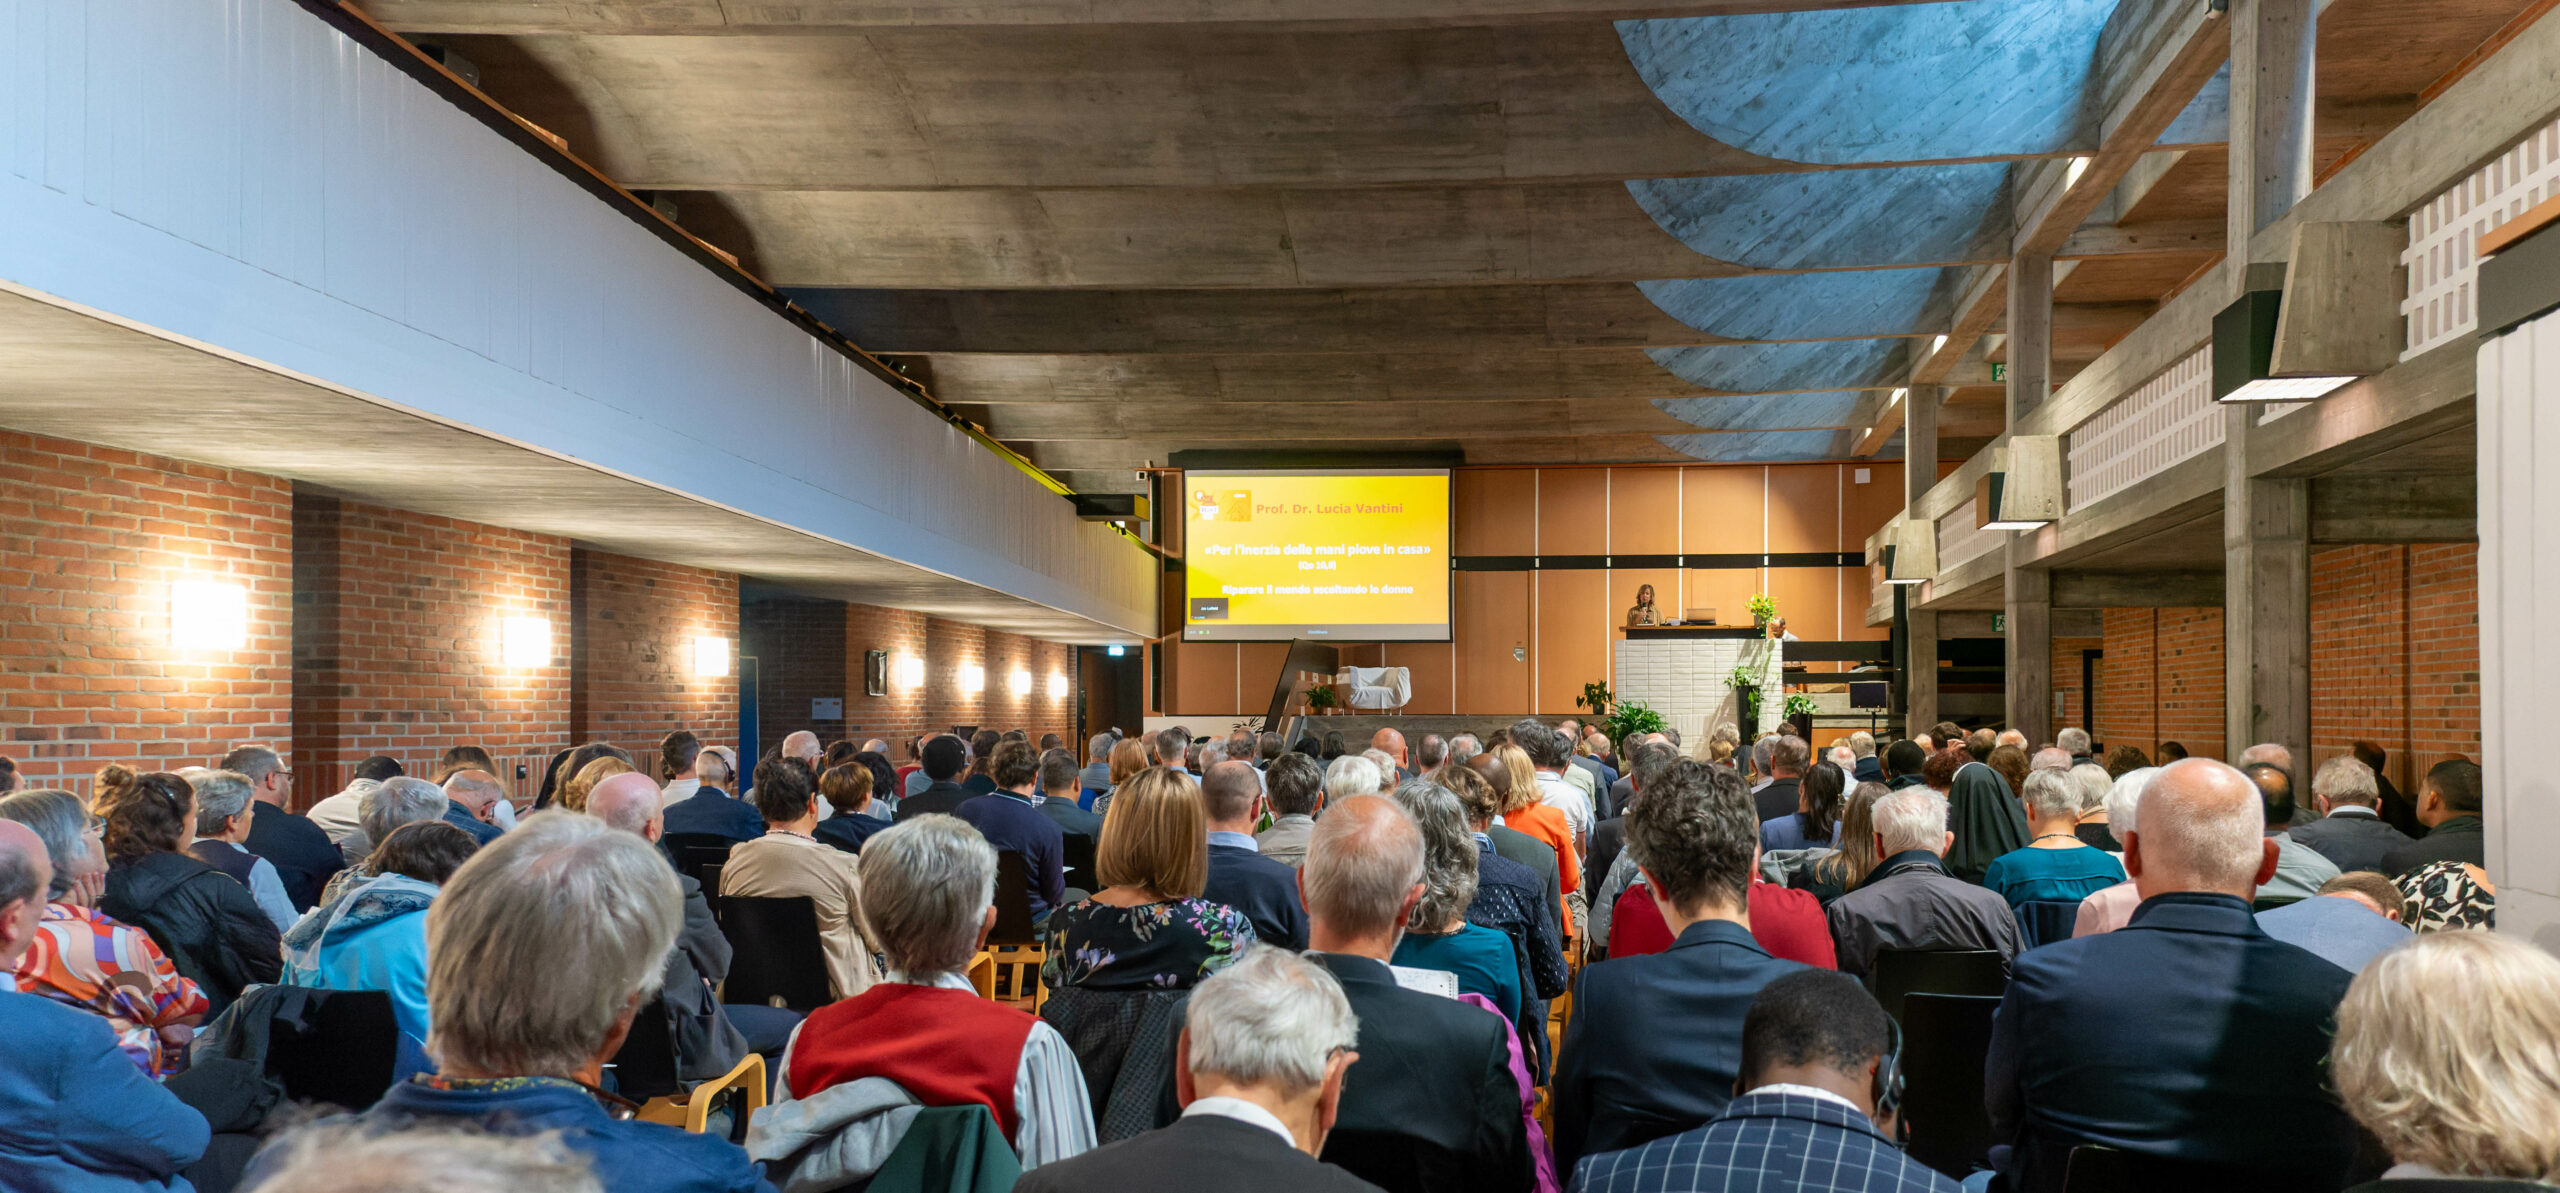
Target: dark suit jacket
[1264,890]
[1608,837]
[2455,840]
[1779,798]
[303,856]
[1430,1106]
[2184,1035]
[1540,858]
[849,830]
[461,818]
[1072,819]
[1656,1041]
[1767,1141]
[1868,770]
[717,813]
[2355,840]
[943,797]
[1197,1153]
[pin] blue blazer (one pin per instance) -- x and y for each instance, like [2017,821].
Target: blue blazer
[2188,1034]
[1766,1141]
[461,818]
[76,1116]
[711,810]
[1655,1042]
[630,1156]
[1264,890]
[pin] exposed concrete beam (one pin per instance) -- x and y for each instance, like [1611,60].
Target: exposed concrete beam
[2136,589]
[1248,422]
[2168,50]
[1985,298]
[2395,508]
[1121,455]
[2165,236]
[1405,377]
[730,16]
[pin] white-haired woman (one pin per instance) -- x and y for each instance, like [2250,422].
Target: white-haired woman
[2112,908]
[2448,1051]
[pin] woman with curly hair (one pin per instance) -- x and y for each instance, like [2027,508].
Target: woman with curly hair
[207,923]
[83,958]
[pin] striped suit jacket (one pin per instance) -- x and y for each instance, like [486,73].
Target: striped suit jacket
[1765,1143]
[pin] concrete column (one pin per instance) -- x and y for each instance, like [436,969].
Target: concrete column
[2030,344]
[2272,56]
[1919,626]
[2029,636]
[2266,611]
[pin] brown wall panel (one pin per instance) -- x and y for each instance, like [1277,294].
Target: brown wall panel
[1722,510]
[1644,511]
[1434,687]
[1809,598]
[1496,511]
[1204,679]
[1573,511]
[1804,508]
[1724,590]
[1493,617]
[1871,505]
[1257,668]
[1573,636]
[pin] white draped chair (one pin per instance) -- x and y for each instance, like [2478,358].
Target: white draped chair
[1374,689]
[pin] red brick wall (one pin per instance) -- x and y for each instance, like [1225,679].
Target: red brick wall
[2162,680]
[2395,654]
[90,541]
[396,641]
[634,622]
[901,712]
[798,644]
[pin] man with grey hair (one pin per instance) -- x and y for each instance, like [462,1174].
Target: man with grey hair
[1783,793]
[1431,753]
[541,950]
[1463,748]
[1864,766]
[1352,775]
[396,801]
[2074,742]
[341,1157]
[1095,778]
[928,901]
[1436,1109]
[224,812]
[2181,1035]
[2009,737]
[1265,1045]
[479,798]
[2050,758]
[2350,831]
[80,1114]
[1910,903]
[304,857]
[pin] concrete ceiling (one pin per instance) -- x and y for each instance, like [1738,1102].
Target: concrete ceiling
[1113,229]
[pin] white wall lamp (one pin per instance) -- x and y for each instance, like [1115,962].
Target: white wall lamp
[524,643]
[710,658]
[208,615]
[1058,688]
[1021,683]
[910,672]
[973,678]
[2023,490]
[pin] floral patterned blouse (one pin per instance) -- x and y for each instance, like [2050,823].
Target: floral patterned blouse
[83,958]
[1153,946]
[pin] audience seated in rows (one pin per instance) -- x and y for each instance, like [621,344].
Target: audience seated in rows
[1511,897]
[1816,816]
[922,1035]
[209,925]
[1266,1046]
[2299,869]
[711,811]
[1432,1106]
[945,760]
[1985,818]
[1827,876]
[1910,902]
[2055,864]
[788,863]
[1554,779]
[2354,919]
[1266,891]
[304,857]
[82,958]
[223,821]
[709,1038]
[2448,1052]
[846,787]
[1654,1044]
[337,815]
[1148,928]
[2107,910]
[75,1112]
[1500,772]
[1008,817]
[1060,781]
[1294,786]
[2186,1032]
[1527,808]
[2449,806]
[541,949]
[373,935]
[1815,1112]
[2350,832]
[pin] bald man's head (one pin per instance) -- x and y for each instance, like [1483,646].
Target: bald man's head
[1363,872]
[2199,827]
[1494,772]
[26,873]
[1230,794]
[1390,741]
[628,802]
[2267,751]
[802,745]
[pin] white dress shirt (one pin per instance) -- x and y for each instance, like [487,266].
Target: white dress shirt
[677,789]
[1557,792]
[1244,1112]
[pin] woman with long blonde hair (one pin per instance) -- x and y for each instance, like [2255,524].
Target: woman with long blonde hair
[1147,928]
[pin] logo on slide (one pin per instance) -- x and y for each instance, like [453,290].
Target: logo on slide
[1234,505]
[1208,608]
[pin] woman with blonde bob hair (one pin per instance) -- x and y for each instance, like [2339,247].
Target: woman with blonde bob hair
[2448,1050]
[1127,759]
[1147,928]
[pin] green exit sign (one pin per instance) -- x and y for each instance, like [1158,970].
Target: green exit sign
[1999,372]
[1999,623]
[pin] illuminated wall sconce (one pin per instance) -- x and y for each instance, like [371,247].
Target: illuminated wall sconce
[524,643]
[1021,683]
[208,615]
[973,678]
[910,672]
[710,658]
[1057,687]
[1115,650]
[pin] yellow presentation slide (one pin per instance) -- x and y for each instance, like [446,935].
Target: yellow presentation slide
[1302,554]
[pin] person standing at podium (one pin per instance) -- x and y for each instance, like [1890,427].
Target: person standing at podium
[1645,612]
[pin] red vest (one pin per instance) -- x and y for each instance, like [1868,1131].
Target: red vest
[947,1047]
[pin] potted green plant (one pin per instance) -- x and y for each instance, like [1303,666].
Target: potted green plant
[1800,705]
[1745,683]
[1630,719]
[1323,699]
[1764,609]
[1596,697]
